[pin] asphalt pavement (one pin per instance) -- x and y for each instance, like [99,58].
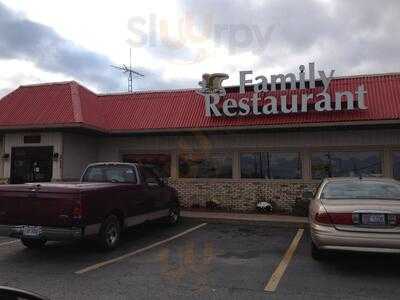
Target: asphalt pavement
[195,260]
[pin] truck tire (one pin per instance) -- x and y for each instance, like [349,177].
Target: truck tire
[110,233]
[174,216]
[33,244]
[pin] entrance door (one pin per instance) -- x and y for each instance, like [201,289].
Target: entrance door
[31,164]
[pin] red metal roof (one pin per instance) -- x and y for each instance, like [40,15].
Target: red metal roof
[71,104]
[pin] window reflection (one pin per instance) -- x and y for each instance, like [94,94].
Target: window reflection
[270,165]
[199,165]
[396,164]
[345,163]
[160,163]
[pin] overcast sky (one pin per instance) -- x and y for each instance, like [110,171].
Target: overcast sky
[174,42]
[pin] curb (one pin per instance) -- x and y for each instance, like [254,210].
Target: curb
[274,223]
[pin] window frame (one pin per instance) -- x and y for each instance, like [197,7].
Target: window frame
[391,160]
[305,154]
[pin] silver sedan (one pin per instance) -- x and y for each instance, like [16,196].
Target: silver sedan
[355,214]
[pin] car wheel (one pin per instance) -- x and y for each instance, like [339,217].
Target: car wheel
[316,253]
[110,233]
[173,216]
[33,244]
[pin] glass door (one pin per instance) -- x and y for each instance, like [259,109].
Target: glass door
[31,164]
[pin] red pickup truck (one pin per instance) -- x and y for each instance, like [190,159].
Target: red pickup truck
[109,198]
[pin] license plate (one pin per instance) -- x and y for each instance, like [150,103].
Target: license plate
[373,219]
[32,231]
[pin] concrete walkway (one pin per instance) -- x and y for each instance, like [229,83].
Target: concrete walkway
[227,217]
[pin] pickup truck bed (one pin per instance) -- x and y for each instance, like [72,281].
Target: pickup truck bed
[67,211]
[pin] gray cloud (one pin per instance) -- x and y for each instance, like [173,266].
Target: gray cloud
[23,39]
[351,36]
[359,36]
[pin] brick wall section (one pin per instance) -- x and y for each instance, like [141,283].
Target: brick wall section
[241,195]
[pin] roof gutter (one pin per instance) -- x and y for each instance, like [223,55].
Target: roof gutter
[258,127]
[5,128]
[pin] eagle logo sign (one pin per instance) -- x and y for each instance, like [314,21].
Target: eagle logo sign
[212,84]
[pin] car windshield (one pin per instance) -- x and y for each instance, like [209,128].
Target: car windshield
[361,190]
[109,173]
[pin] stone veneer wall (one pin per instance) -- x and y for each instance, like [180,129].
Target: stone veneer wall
[241,195]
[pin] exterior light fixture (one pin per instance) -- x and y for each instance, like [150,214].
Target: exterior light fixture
[6,156]
[56,156]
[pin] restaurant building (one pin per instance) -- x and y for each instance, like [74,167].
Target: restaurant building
[217,151]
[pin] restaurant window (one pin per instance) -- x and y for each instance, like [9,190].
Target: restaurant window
[345,163]
[198,165]
[270,165]
[396,164]
[160,163]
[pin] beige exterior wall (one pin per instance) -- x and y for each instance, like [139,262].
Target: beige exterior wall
[1,157]
[53,139]
[78,152]
[243,194]
[278,140]
[303,141]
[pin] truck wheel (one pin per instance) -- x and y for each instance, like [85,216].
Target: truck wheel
[173,216]
[110,233]
[33,244]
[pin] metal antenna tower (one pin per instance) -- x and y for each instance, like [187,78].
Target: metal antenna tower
[128,70]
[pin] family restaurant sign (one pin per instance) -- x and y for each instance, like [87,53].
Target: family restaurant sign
[217,104]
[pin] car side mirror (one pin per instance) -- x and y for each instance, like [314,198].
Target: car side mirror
[307,195]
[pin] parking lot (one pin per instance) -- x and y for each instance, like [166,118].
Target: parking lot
[198,260]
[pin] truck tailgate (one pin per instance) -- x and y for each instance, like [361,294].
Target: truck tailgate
[41,208]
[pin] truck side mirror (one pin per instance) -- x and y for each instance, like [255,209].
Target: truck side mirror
[152,182]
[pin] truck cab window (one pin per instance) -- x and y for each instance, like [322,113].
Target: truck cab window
[103,173]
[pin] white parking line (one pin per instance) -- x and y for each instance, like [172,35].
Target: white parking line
[9,243]
[280,270]
[117,259]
